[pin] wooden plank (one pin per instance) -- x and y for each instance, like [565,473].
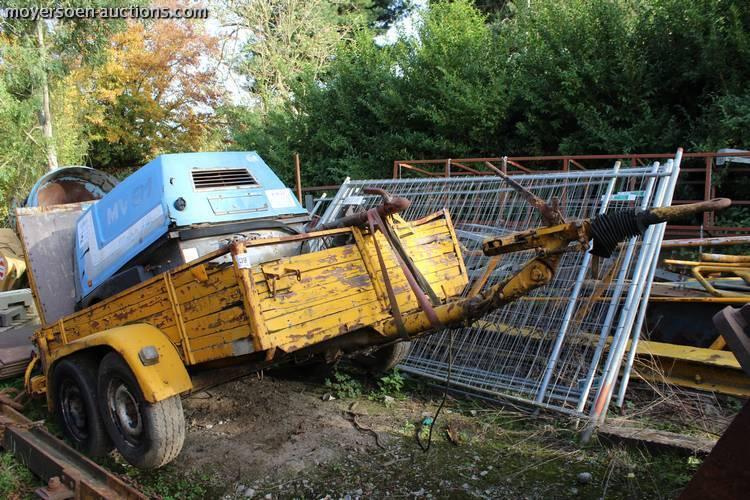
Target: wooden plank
[209,304]
[186,276]
[309,326]
[710,357]
[336,304]
[251,301]
[325,328]
[303,301]
[161,320]
[438,260]
[48,237]
[217,351]
[311,262]
[350,278]
[148,298]
[294,301]
[439,226]
[134,295]
[174,336]
[219,321]
[216,282]
[622,430]
[221,337]
[82,325]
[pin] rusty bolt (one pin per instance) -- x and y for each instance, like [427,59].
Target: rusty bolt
[537,274]
[54,483]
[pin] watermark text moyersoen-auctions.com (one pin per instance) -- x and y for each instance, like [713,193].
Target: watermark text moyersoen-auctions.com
[132,12]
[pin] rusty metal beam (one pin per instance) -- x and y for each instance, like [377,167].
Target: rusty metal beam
[683,366]
[298,177]
[68,473]
[724,474]
[630,156]
[709,188]
[692,367]
[707,242]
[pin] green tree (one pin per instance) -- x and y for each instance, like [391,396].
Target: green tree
[51,49]
[441,92]
[155,93]
[36,59]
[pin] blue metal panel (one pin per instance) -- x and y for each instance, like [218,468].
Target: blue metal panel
[121,225]
[142,208]
[214,206]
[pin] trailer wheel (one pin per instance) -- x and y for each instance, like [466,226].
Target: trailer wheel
[76,408]
[148,435]
[384,359]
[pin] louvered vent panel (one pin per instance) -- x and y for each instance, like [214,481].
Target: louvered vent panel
[222,178]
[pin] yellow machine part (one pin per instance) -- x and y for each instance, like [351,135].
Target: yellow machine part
[314,297]
[167,377]
[12,264]
[210,310]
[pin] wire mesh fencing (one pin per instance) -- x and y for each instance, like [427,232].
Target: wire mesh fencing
[559,346]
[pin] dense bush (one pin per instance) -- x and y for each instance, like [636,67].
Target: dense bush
[560,76]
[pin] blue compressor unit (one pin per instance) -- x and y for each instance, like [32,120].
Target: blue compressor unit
[174,209]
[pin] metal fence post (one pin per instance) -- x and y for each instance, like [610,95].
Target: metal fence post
[627,317]
[573,298]
[615,300]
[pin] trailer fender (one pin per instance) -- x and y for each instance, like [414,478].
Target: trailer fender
[159,380]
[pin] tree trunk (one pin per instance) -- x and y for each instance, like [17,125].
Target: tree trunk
[45,116]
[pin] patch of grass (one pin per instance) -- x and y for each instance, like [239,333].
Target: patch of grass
[16,481]
[169,483]
[502,465]
[344,386]
[390,384]
[501,453]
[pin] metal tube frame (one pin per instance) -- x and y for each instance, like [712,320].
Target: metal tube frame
[627,317]
[573,299]
[512,361]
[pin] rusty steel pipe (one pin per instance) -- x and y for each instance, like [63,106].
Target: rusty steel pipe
[609,229]
[391,205]
[718,241]
[676,212]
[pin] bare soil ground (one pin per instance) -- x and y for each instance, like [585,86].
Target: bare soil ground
[251,428]
[282,437]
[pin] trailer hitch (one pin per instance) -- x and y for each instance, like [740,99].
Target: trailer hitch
[606,230]
[609,229]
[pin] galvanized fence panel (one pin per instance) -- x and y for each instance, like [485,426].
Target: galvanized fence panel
[549,348]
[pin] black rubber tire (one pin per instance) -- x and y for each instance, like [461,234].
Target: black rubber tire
[76,408]
[147,435]
[384,359]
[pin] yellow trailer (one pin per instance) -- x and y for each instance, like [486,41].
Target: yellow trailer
[113,373]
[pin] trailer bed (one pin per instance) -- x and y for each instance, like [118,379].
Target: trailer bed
[216,308]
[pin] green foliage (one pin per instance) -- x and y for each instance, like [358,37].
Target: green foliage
[436,94]
[391,384]
[169,483]
[23,70]
[728,120]
[344,386]
[15,479]
[559,76]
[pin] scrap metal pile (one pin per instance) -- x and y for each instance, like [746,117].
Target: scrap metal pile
[563,346]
